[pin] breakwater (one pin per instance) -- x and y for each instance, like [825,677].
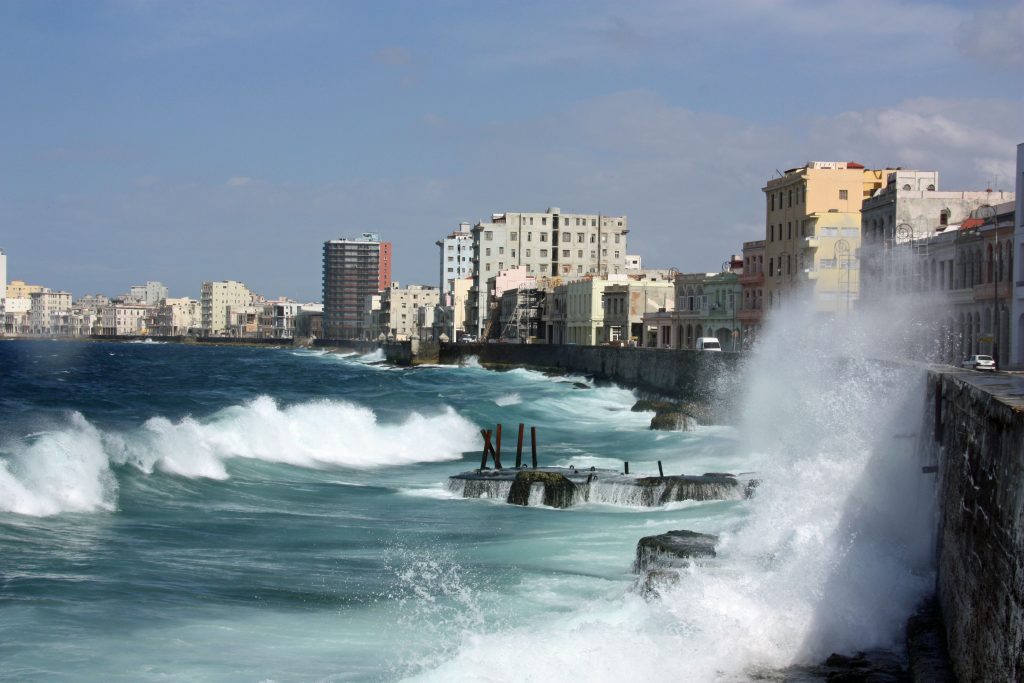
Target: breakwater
[977,431]
[684,374]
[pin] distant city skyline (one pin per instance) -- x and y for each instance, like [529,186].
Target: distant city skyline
[187,141]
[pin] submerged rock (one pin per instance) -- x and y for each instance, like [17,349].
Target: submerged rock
[668,416]
[559,492]
[676,488]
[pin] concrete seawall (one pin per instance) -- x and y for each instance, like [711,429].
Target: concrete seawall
[683,374]
[977,424]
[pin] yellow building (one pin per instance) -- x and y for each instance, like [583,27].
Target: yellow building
[17,289]
[812,234]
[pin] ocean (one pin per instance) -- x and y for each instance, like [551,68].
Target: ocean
[174,512]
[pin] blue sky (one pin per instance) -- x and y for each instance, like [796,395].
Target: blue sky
[187,141]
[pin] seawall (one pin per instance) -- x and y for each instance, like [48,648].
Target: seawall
[977,427]
[679,373]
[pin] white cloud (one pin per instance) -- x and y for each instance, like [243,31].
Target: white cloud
[239,181]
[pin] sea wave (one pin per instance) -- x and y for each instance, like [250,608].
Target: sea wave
[70,470]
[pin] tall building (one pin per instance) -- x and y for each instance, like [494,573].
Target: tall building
[812,233]
[456,257]
[353,271]
[215,300]
[47,309]
[3,274]
[547,244]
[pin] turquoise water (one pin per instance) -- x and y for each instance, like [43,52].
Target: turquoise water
[170,512]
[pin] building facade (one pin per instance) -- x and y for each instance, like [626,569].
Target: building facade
[353,271]
[400,310]
[626,304]
[175,317]
[215,300]
[46,311]
[752,292]
[812,233]
[707,305]
[124,320]
[551,243]
[1017,263]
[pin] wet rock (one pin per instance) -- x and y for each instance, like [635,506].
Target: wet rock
[926,646]
[676,488]
[580,385]
[672,549]
[655,581]
[668,416]
[559,492]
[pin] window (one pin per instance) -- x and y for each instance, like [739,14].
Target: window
[543,237]
[514,236]
[487,251]
[579,269]
[772,198]
[513,253]
[789,231]
[501,250]
[529,237]
[620,224]
[771,233]
[789,198]
[488,235]
[579,254]
[593,222]
[580,237]
[543,253]
[544,220]
[527,253]
[616,254]
[617,236]
[565,253]
[604,252]
[844,194]
[566,237]
[531,220]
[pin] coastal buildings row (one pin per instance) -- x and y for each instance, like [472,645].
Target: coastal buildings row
[224,309]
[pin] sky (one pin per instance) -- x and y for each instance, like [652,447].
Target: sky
[188,141]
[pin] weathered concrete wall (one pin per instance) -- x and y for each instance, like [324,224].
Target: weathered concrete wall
[347,344]
[689,375]
[978,425]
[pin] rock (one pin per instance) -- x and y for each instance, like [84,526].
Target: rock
[559,492]
[672,549]
[675,488]
[672,421]
[658,579]
[926,645]
[581,385]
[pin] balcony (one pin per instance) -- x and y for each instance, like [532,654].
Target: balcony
[810,243]
[749,315]
[752,278]
[984,292]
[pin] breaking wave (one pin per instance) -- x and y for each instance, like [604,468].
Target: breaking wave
[70,470]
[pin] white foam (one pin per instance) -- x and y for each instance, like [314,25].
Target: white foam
[69,470]
[61,471]
[509,400]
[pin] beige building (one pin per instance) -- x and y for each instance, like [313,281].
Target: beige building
[626,304]
[17,289]
[399,317]
[551,243]
[46,311]
[215,300]
[14,316]
[124,320]
[812,234]
[175,317]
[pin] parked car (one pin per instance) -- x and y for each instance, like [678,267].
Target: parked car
[979,362]
[708,344]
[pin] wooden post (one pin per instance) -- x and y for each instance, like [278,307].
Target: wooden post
[487,447]
[496,451]
[519,446]
[661,472]
[533,445]
[627,468]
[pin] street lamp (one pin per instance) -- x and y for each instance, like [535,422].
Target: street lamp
[986,213]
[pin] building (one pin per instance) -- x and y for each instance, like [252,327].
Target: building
[633,263]
[752,292]
[215,300]
[521,317]
[910,208]
[456,258]
[151,293]
[707,305]
[124,320]
[1017,321]
[812,233]
[17,289]
[577,310]
[3,275]
[626,304]
[309,321]
[353,271]
[545,244]
[277,319]
[46,311]
[14,316]
[399,310]
[175,317]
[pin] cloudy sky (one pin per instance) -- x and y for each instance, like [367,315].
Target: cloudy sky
[187,141]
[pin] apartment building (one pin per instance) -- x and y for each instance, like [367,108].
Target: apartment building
[910,208]
[175,317]
[812,233]
[707,305]
[752,292]
[46,309]
[400,310]
[124,320]
[551,243]
[353,271]
[151,293]
[626,304]
[215,300]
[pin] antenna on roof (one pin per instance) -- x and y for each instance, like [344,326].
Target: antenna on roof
[779,172]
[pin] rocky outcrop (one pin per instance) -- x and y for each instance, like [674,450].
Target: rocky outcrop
[669,415]
[559,492]
[672,549]
[676,488]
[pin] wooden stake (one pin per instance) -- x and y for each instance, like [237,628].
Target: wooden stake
[533,445]
[519,446]
[487,447]
[661,472]
[627,468]
[496,452]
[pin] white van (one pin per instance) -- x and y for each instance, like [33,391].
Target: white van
[708,344]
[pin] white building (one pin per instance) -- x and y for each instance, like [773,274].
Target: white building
[175,317]
[278,319]
[456,257]
[551,243]
[14,315]
[634,263]
[216,298]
